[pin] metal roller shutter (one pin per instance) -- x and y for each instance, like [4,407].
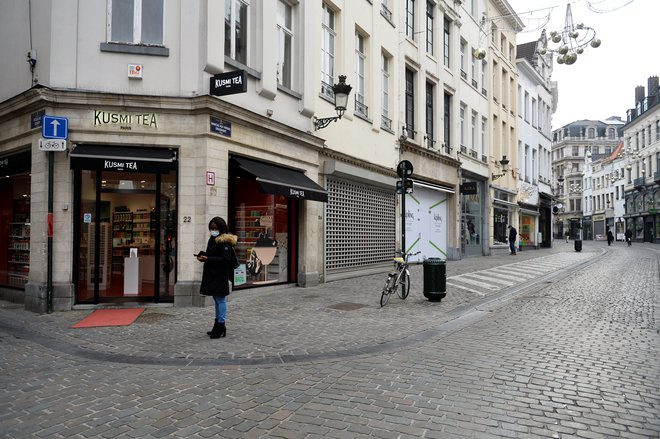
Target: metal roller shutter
[360,225]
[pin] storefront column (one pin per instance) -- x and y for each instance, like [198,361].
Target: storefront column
[36,299]
[310,262]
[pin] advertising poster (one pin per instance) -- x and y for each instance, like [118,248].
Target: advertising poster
[426,223]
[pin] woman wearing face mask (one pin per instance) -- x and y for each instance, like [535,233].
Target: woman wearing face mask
[219,263]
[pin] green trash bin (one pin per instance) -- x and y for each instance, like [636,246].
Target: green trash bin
[435,279]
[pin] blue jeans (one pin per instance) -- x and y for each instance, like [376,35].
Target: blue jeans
[512,246]
[220,308]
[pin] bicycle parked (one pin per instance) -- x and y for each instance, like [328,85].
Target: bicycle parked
[398,280]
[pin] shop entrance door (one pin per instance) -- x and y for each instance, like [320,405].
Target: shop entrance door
[126,236]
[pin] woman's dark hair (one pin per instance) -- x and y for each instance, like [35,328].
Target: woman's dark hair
[220,224]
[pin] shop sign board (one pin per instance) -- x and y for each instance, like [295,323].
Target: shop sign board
[228,83]
[469,188]
[55,127]
[219,126]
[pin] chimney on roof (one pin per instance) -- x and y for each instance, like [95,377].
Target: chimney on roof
[639,94]
[653,86]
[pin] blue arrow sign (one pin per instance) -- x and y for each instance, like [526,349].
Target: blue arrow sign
[55,127]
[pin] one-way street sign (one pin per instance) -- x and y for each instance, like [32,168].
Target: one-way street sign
[55,127]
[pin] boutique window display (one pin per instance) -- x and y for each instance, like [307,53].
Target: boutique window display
[262,223]
[15,235]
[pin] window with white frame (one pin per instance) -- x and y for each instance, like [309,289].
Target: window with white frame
[484,71]
[473,8]
[526,107]
[484,139]
[473,70]
[410,103]
[430,97]
[445,43]
[136,21]
[463,48]
[447,120]
[473,131]
[236,30]
[410,19]
[533,170]
[462,124]
[285,44]
[525,163]
[429,27]
[360,62]
[534,112]
[386,122]
[328,51]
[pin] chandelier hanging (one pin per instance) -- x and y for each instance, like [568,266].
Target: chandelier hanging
[571,41]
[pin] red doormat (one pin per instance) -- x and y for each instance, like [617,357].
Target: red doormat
[110,317]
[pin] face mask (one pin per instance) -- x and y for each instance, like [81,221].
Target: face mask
[215,233]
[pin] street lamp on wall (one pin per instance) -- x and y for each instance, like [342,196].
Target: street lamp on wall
[341,91]
[505,167]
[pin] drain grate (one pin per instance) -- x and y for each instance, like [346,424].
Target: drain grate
[152,317]
[347,306]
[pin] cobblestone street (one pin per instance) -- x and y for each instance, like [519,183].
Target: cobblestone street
[549,344]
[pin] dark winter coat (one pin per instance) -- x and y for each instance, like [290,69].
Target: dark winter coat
[219,267]
[512,234]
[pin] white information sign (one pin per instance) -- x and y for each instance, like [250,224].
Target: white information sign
[52,144]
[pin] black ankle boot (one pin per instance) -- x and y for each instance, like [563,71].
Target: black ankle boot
[221,331]
[215,328]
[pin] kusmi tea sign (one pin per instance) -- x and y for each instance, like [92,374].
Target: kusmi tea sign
[125,120]
[228,83]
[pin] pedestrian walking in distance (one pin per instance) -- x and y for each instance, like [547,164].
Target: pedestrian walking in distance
[629,236]
[512,239]
[610,236]
[219,262]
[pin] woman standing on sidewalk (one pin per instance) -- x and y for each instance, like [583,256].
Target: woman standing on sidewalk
[219,262]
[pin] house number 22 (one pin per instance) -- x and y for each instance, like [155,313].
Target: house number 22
[186,219]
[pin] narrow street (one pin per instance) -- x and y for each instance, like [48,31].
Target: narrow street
[551,345]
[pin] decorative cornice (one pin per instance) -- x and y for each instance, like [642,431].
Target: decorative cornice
[430,154]
[343,158]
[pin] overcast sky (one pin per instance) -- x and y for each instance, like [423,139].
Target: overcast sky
[602,82]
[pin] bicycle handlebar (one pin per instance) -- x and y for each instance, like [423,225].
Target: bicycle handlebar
[406,255]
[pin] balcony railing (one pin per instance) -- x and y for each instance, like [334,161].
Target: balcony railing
[463,149]
[639,183]
[385,11]
[360,108]
[386,122]
[656,177]
[326,90]
[473,154]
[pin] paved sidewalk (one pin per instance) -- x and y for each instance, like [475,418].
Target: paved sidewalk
[331,321]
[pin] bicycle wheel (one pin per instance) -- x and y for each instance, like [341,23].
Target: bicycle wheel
[403,287]
[387,291]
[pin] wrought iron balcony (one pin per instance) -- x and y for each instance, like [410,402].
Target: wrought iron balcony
[639,183]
